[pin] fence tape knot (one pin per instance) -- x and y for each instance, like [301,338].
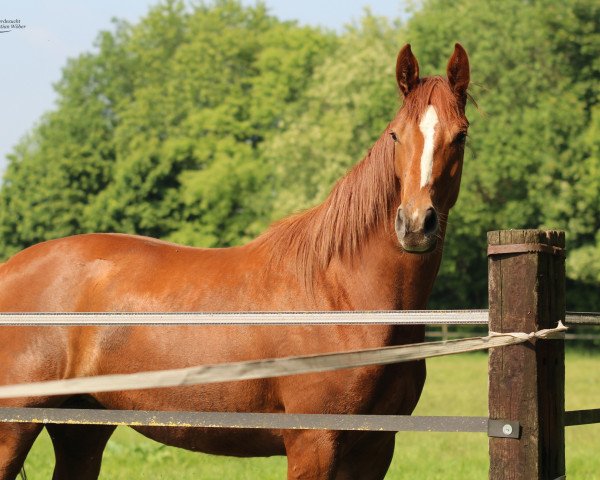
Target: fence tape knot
[556,333]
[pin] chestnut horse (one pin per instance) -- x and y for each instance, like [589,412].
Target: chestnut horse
[375,243]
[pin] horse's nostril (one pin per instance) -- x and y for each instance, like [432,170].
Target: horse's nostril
[431,222]
[399,225]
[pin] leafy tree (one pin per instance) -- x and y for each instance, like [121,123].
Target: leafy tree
[56,170]
[159,131]
[188,164]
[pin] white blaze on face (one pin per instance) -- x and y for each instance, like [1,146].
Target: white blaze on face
[427,127]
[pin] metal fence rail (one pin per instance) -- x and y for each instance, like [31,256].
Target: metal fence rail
[582,417]
[583,318]
[293,421]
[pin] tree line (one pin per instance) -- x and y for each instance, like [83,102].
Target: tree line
[202,124]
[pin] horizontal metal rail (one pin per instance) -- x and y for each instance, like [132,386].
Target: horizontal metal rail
[582,318]
[395,317]
[379,423]
[582,417]
[412,317]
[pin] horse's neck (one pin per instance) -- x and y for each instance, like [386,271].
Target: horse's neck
[380,276]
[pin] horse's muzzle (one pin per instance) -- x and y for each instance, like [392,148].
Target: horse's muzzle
[417,232]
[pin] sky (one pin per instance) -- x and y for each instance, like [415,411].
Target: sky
[33,56]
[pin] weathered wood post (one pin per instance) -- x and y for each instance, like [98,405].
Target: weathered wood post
[526,381]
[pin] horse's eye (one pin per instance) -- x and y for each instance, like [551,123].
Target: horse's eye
[460,137]
[394,136]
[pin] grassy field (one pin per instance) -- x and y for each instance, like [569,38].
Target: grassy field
[456,385]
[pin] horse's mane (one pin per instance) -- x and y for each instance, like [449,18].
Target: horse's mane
[360,200]
[357,204]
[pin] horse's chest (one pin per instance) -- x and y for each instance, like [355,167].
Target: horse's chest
[388,390]
[396,389]
[402,388]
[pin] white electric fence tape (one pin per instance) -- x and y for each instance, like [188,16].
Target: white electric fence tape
[274,367]
[393,317]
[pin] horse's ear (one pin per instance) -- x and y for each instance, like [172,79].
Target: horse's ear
[458,71]
[407,70]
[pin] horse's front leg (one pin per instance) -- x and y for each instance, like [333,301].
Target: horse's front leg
[368,459]
[311,454]
[323,455]
[78,450]
[16,440]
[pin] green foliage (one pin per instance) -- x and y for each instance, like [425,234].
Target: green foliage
[159,132]
[201,124]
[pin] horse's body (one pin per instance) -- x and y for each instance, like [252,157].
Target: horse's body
[341,255]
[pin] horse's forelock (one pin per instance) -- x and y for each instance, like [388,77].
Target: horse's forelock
[434,91]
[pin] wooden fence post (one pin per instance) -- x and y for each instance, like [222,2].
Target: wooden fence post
[526,381]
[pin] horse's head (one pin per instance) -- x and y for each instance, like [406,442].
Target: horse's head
[429,134]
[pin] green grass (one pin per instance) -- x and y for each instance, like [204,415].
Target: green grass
[456,385]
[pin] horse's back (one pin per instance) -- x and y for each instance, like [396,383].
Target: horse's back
[107,272]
